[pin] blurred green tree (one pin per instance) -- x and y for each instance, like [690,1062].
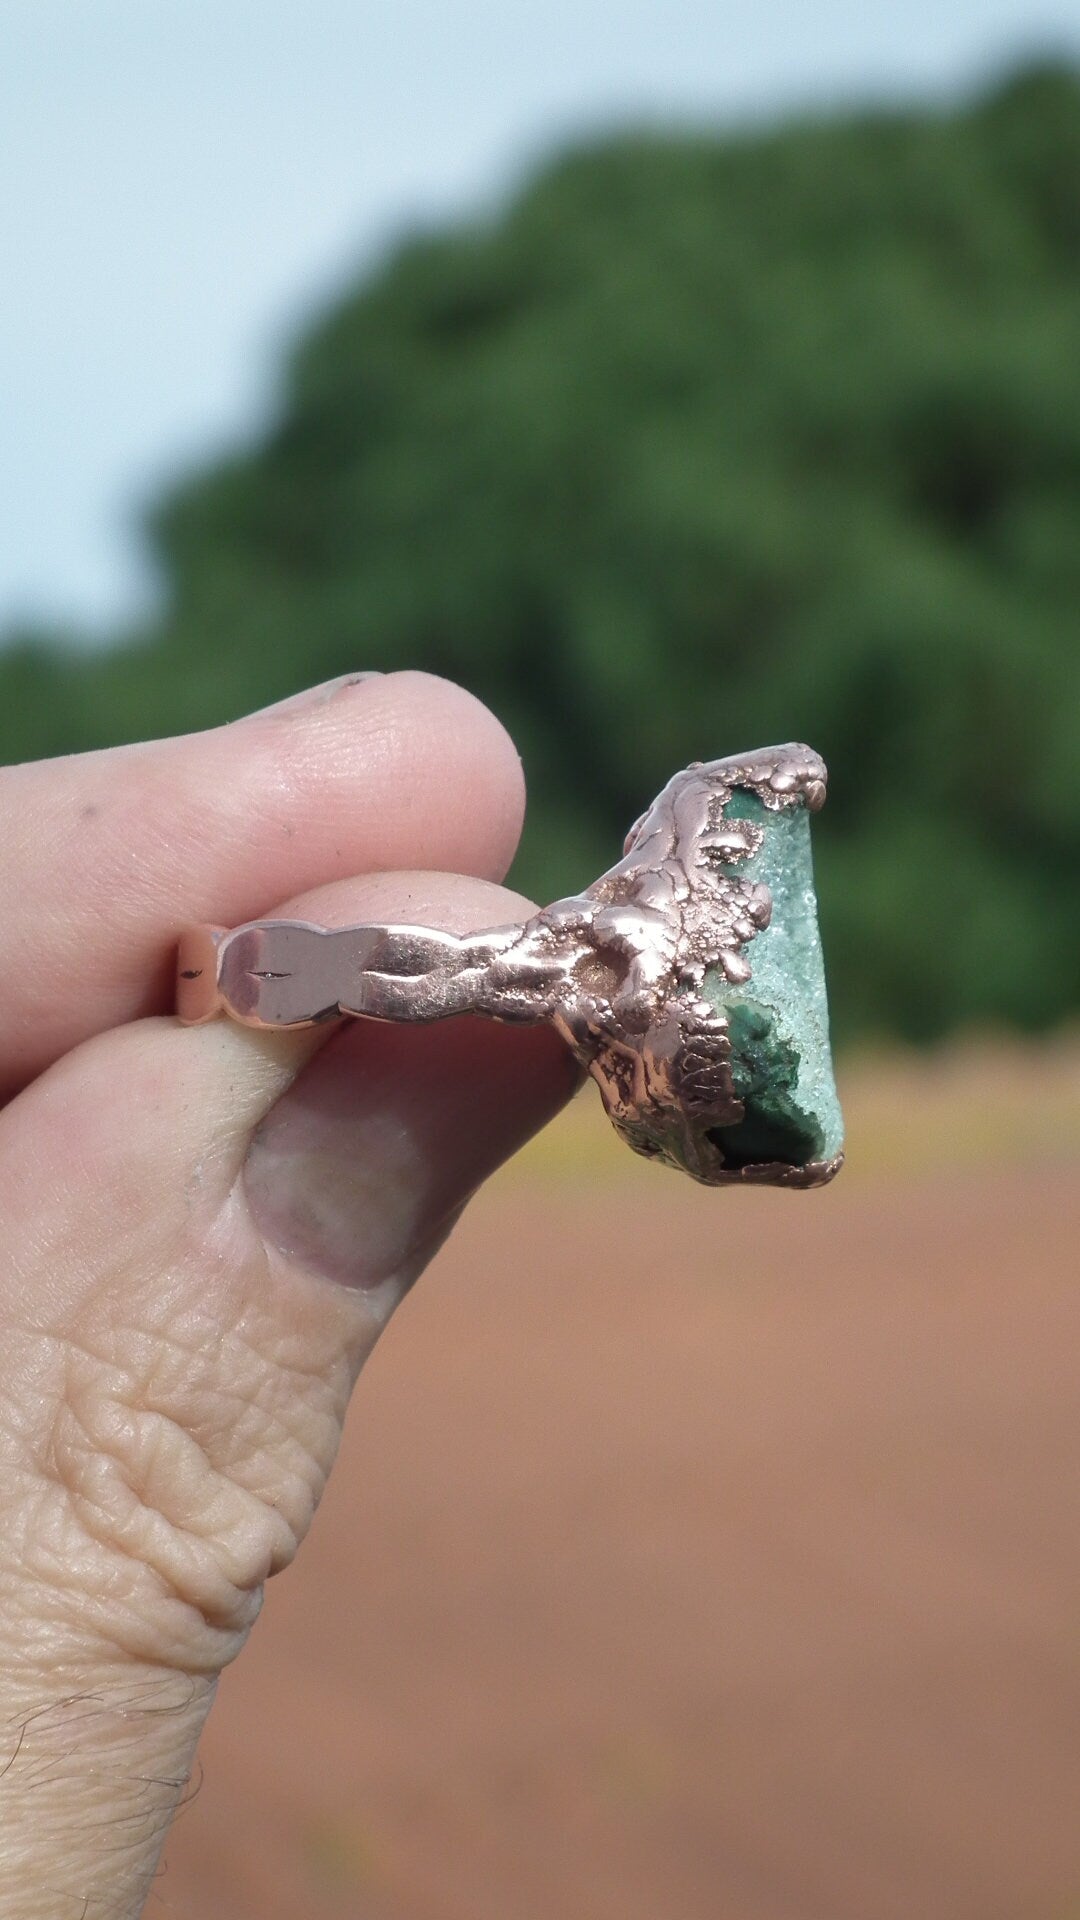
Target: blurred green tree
[699,443]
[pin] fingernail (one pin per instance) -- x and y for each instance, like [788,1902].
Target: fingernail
[361,1169]
[315,696]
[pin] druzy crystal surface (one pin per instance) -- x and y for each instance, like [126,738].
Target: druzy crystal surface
[778,1020]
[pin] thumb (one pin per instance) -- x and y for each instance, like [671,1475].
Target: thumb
[360,1171]
[207,1227]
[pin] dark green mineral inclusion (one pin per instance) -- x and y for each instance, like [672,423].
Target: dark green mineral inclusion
[779,1020]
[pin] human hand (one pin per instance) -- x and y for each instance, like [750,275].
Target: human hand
[203,1229]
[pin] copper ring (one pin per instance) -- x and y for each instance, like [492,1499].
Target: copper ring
[641,974]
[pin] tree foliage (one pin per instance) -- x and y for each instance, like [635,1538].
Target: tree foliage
[701,442]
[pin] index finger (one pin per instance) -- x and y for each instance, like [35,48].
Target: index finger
[104,856]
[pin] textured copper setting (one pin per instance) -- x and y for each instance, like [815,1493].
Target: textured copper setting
[617,970]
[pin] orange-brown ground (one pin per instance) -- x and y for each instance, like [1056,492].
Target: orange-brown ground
[694,1556]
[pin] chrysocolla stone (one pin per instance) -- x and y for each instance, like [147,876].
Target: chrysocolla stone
[778,1021]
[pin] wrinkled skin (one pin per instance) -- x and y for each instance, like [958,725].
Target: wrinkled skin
[204,1229]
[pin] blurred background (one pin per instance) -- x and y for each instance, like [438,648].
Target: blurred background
[678,379]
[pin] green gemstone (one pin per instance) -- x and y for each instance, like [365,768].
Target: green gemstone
[778,1021]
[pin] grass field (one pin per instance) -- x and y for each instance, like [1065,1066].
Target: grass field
[696,1556]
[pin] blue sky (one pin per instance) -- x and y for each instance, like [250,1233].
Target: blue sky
[182,180]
